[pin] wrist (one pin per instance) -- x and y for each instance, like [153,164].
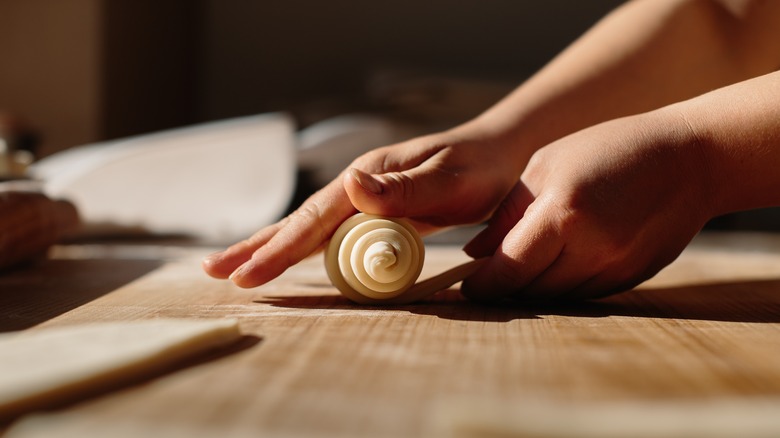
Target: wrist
[737,132]
[694,158]
[503,140]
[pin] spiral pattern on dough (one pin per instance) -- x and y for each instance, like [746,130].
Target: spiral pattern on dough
[371,258]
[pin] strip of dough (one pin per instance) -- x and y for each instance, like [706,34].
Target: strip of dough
[376,260]
[52,366]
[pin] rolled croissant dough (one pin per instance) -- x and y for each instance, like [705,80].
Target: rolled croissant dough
[50,366]
[376,260]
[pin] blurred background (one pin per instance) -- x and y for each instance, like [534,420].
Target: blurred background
[81,71]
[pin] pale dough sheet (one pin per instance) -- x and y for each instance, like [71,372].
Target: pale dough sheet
[44,367]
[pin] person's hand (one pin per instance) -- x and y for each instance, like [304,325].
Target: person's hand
[596,212]
[455,177]
[31,222]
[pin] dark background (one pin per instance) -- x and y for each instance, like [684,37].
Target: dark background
[88,70]
[81,71]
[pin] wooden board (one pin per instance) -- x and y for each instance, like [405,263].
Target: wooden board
[706,328]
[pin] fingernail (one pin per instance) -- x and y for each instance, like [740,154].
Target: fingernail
[366,181]
[212,258]
[236,273]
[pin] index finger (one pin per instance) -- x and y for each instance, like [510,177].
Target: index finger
[294,238]
[527,251]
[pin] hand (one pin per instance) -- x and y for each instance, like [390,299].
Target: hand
[30,222]
[596,212]
[438,180]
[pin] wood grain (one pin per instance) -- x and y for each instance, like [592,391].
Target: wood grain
[706,328]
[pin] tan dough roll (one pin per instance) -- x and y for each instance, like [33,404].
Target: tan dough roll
[376,260]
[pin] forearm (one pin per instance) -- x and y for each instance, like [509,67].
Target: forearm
[737,129]
[644,55]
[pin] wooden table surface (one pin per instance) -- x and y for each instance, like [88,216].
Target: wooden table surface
[707,328]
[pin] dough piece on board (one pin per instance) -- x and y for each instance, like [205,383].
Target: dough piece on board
[51,366]
[376,260]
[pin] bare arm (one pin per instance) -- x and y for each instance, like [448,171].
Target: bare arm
[607,207]
[642,56]
[738,129]
[646,54]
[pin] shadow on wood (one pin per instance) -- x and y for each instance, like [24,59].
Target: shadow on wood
[751,301]
[37,292]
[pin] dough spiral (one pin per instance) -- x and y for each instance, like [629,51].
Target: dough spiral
[376,260]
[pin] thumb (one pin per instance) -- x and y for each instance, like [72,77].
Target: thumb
[421,191]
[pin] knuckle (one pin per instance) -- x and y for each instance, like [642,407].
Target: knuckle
[386,163]
[567,220]
[374,161]
[616,254]
[402,186]
[310,217]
